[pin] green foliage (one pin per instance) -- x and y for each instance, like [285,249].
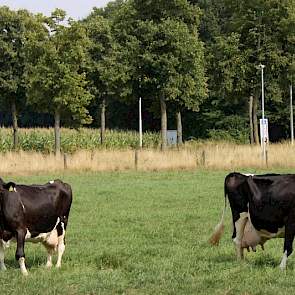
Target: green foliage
[231,128]
[105,74]
[153,50]
[14,28]
[55,76]
[165,55]
[230,135]
[42,140]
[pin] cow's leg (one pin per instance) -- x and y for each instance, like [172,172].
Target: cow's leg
[51,244]
[61,245]
[2,265]
[288,244]
[50,251]
[240,226]
[20,252]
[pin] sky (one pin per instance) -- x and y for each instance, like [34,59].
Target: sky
[74,8]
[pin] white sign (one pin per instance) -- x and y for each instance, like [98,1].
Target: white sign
[171,137]
[263,131]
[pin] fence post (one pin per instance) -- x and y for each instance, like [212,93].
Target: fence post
[65,161]
[136,159]
[203,158]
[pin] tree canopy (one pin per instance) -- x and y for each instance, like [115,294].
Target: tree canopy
[195,58]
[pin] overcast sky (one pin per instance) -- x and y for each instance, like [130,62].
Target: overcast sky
[74,8]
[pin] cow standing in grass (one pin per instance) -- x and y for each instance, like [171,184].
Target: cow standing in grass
[265,204]
[36,213]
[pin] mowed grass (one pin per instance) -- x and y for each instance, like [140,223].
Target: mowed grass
[147,233]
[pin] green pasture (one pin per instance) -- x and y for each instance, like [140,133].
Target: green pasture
[146,233]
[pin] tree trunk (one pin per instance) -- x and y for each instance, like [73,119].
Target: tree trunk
[102,121]
[179,128]
[14,124]
[255,121]
[163,124]
[251,119]
[57,131]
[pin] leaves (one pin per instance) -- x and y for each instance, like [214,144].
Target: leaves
[55,74]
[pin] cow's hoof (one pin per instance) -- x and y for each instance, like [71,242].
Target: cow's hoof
[3,268]
[25,273]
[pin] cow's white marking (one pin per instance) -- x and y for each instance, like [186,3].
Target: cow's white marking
[49,260]
[28,235]
[48,237]
[61,246]
[12,189]
[50,251]
[249,174]
[283,263]
[22,266]
[2,265]
[22,205]
[240,226]
[51,181]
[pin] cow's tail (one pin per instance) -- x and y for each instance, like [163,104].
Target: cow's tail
[219,228]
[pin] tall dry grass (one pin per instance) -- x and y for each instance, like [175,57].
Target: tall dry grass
[100,160]
[234,157]
[207,155]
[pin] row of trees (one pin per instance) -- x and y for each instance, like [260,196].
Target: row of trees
[240,35]
[189,55]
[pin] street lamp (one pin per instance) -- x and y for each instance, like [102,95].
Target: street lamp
[263,127]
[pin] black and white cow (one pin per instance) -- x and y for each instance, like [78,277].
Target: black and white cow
[266,204]
[36,213]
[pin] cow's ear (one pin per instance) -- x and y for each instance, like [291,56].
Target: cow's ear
[10,186]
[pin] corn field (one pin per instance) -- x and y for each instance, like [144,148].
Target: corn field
[42,140]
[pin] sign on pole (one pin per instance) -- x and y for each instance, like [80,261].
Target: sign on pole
[264,139]
[171,137]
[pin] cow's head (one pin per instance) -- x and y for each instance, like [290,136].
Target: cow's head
[9,186]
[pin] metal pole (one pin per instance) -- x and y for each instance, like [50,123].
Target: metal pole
[262,91]
[291,115]
[140,125]
[262,103]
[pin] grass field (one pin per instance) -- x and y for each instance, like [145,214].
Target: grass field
[147,233]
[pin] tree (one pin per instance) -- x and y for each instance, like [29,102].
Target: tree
[239,37]
[55,76]
[14,28]
[103,71]
[166,58]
